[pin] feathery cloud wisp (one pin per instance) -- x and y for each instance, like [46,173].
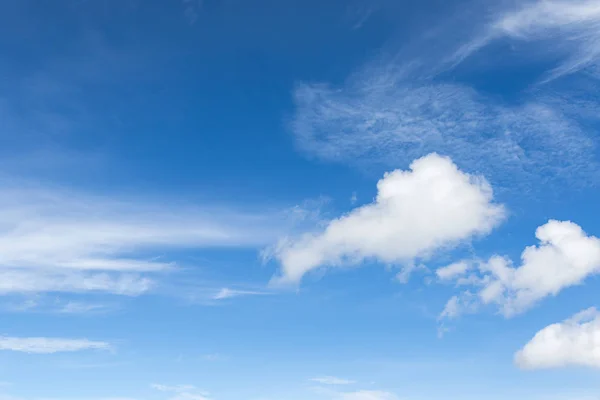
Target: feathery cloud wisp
[571,27]
[227,293]
[388,114]
[60,241]
[332,380]
[42,345]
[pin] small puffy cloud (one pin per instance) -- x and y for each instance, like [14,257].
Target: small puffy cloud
[332,380]
[564,257]
[453,270]
[432,206]
[573,342]
[42,345]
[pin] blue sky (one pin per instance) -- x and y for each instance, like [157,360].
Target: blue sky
[298,200]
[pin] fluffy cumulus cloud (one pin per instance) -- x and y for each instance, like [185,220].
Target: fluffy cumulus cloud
[431,206]
[574,342]
[564,257]
[571,27]
[42,345]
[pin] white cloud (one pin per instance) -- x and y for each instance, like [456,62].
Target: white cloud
[42,345]
[368,395]
[453,270]
[388,113]
[332,380]
[38,281]
[227,293]
[432,206]
[452,308]
[54,240]
[182,392]
[565,257]
[573,342]
[569,28]
[78,307]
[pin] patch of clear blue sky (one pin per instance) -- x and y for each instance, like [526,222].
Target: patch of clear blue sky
[134,97]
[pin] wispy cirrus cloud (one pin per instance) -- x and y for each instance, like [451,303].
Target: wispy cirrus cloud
[227,293]
[569,29]
[54,240]
[387,114]
[332,380]
[408,103]
[329,393]
[43,345]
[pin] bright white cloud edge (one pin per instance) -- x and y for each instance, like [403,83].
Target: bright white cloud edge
[565,257]
[431,206]
[573,342]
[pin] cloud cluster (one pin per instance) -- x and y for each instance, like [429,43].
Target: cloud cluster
[432,206]
[564,257]
[573,342]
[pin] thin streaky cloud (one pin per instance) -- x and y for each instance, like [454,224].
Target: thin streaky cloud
[227,293]
[332,380]
[181,392]
[569,28]
[68,241]
[43,345]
